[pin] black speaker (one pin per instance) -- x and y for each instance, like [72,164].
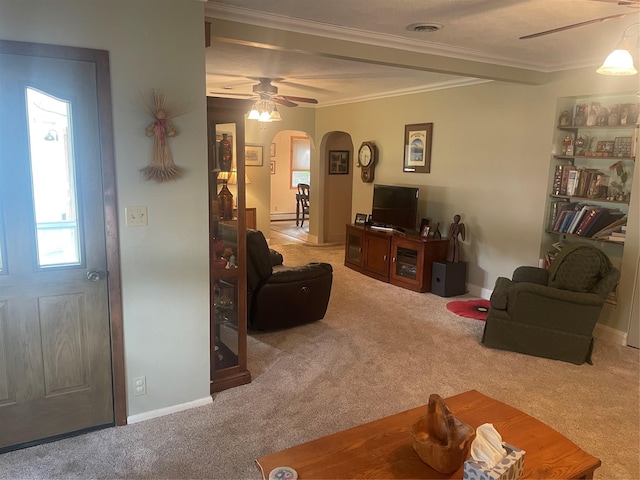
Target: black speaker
[449,279]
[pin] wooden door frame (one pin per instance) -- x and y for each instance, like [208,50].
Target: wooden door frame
[100,58]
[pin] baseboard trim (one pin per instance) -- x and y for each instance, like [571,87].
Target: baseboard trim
[161,412]
[610,335]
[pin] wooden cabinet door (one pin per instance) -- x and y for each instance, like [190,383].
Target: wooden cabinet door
[377,255]
[407,262]
[354,247]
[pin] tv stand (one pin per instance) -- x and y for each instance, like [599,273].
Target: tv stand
[402,259]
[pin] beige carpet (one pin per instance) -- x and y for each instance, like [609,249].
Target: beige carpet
[379,350]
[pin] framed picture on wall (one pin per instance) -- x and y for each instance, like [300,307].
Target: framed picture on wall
[253,155]
[273,149]
[273,167]
[338,162]
[417,148]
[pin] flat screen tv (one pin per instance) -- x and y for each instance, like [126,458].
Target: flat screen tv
[395,206]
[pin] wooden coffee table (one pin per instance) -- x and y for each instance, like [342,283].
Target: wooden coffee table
[383,448]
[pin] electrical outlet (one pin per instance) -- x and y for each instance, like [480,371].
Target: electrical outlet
[140,386]
[136,216]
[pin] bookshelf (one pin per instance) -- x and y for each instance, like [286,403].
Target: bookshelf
[592,167]
[595,141]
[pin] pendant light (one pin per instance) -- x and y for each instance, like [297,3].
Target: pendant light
[620,61]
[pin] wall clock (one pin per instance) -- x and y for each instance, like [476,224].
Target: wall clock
[367,156]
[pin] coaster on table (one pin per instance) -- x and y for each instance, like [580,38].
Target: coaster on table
[283,473]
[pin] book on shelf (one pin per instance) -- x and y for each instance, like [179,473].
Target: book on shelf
[561,211]
[588,219]
[611,238]
[619,234]
[610,227]
[565,178]
[572,182]
[579,217]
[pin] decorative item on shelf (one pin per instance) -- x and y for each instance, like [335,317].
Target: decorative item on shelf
[456,229]
[217,247]
[225,198]
[581,145]
[441,440]
[565,118]
[567,145]
[361,219]
[162,168]
[225,156]
[617,190]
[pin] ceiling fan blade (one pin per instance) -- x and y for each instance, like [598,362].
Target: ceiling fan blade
[574,25]
[283,101]
[299,99]
[229,94]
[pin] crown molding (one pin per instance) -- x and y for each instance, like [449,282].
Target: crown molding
[462,82]
[309,27]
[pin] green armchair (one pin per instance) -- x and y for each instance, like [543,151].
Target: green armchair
[552,313]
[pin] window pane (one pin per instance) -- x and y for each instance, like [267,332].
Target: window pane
[53,180]
[300,177]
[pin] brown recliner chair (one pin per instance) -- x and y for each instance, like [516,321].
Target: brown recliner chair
[552,313]
[281,296]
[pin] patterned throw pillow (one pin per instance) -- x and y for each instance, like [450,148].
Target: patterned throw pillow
[580,271]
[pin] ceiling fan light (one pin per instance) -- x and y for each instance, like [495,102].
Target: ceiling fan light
[619,62]
[275,115]
[265,116]
[254,114]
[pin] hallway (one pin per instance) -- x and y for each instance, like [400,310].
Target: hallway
[286,232]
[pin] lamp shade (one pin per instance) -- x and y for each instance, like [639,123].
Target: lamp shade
[619,62]
[233,178]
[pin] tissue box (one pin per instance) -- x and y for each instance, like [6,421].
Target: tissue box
[510,467]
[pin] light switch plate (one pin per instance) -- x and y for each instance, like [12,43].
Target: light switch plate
[136,216]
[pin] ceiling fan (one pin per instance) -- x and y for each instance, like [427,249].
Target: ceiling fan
[625,3]
[264,90]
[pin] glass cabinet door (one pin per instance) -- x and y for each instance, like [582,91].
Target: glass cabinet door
[228,288]
[355,244]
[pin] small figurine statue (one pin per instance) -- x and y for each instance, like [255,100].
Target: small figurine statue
[456,229]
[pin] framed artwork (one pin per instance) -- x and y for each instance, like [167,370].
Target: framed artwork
[361,219]
[424,231]
[273,149]
[338,162]
[273,167]
[253,155]
[417,148]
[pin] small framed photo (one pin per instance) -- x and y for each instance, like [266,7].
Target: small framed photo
[417,148]
[425,230]
[273,149]
[361,219]
[253,155]
[605,148]
[338,162]
[273,167]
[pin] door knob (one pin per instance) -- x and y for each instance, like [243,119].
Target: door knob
[93,275]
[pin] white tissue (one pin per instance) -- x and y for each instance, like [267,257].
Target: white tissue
[487,446]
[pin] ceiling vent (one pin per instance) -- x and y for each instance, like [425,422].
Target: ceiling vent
[424,27]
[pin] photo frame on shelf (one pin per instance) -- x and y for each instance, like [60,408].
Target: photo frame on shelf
[361,219]
[272,167]
[417,148]
[273,149]
[253,155]
[425,230]
[338,162]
